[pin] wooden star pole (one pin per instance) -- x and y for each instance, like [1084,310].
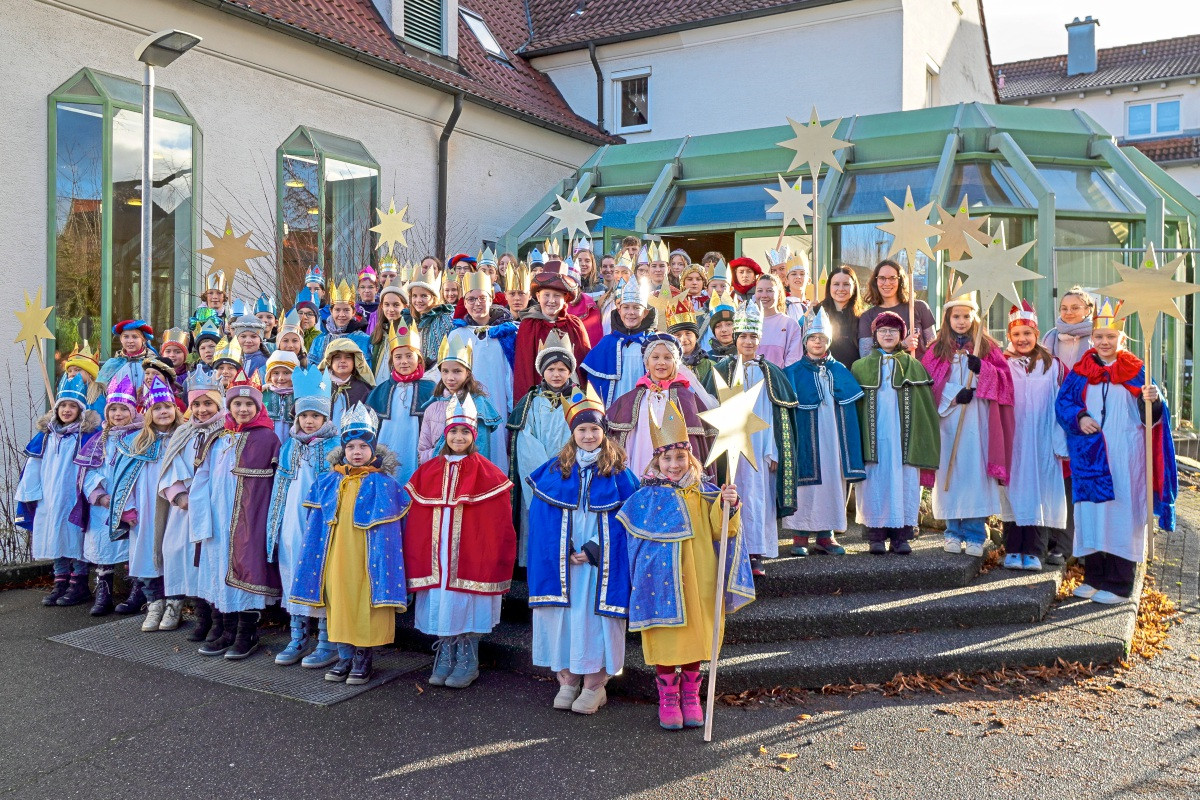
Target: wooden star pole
[735,422]
[814,144]
[1149,292]
[911,231]
[33,331]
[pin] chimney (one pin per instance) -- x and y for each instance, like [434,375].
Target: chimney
[1081,46]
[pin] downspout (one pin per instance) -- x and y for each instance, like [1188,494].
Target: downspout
[443,171]
[599,87]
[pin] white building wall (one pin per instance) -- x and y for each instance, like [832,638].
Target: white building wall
[945,40]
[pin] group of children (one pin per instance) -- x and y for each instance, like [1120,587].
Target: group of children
[313,462]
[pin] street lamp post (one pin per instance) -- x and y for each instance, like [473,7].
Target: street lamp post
[156,50]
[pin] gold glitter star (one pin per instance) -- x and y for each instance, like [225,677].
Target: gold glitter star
[229,253]
[573,215]
[33,324]
[1149,291]
[391,227]
[792,202]
[734,420]
[814,144]
[910,228]
[956,228]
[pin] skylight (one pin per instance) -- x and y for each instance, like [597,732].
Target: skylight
[478,27]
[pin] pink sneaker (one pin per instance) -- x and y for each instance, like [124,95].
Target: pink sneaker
[669,715]
[693,712]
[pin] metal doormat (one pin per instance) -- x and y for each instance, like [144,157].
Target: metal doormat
[169,650]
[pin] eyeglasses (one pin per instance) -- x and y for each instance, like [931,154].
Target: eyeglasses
[882,279]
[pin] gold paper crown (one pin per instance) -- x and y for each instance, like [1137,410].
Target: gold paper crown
[674,306]
[342,293]
[553,248]
[228,350]
[659,251]
[517,278]
[473,281]
[722,302]
[83,357]
[582,400]
[626,261]
[671,431]
[177,336]
[215,282]
[388,264]
[404,335]
[1108,317]
[555,342]
[462,352]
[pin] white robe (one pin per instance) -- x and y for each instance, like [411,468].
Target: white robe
[822,507]
[144,498]
[295,520]
[1035,494]
[1119,525]
[890,496]
[545,433]
[490,368]
[401,431]
[181,576]
[756,488]
[50,482]
[973,493]
[98,546]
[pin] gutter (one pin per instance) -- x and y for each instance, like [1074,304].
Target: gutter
[443,175]
[387,66]
[599,87]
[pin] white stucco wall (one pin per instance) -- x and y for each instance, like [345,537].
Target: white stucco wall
[249,88]
[947,40]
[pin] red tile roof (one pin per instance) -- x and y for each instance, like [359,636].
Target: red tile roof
[1178,148]
[570,24]
[514,87]
[1115,66]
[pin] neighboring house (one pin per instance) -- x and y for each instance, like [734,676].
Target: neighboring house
[663,69]
[1144,94]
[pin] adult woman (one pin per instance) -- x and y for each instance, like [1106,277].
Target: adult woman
[889,290]
[1071,335]
[843,304]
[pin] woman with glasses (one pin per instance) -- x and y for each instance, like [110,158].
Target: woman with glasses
[889,290]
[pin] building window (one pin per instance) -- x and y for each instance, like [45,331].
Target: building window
[484,34]
[1153,118]
[423,24]
[328,193]
[94,259]
[633,100]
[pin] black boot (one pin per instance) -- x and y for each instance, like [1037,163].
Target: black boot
[204,620]
[104,602]
[246,641]
[137,598]
[220,636]
[360,666]
[60,589]
[77,591]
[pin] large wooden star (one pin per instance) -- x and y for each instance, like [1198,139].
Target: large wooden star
[391,228]
[735,421]
[993,270]
[814,144]
[1150,291]
[33,324]
[791,201]
[910,228]
[573,215]
[956,229]
[229,253]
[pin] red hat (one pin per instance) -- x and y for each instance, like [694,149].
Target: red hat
[746,262]
[555,275]
[1025,315]
[889,319]
[457,257]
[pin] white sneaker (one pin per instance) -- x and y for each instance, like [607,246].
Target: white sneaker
[952,545]
[566,696]
[1108,598]
[974,550]
[154,615]
[1013,561]
[1031,563]
[589,701]
[1085,591]
[171,616]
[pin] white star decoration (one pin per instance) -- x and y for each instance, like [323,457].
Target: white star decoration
[792,202]
[573,215]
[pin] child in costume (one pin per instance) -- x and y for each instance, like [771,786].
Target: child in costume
[368,292]
[900,436]
[614,363]
[746,272]
[352,560]
[517,290]
[458,380]
[278,394]
[232,496]
[174,350]
[291,338]
[493,337]
[155,367]
[214,298]
[400,398]
[136,505]
[459,546]
[105,540]
[84,363]
[205,339]
[302,459]
[673,527]
[352,378]
[1035,501]
[135,336]
[250,333]
[227,362]
[1101,406]
[390,316]
[979,388]
[432,318]
[308,310]
[578,559]
[554,288]
[267,312]
[175,551]
[47,491]
[767,493]
[539,429]
[828,442]
[341,324]
[717,337]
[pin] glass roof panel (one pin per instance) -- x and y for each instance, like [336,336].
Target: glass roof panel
[984,184]
[862,191]
[1081,189]
[725,204]
[617,210]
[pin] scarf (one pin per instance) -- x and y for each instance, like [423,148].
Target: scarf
[58,428]
[411,377]
[695,357]
[663,386]
[1079,330]
[585,459]
[187,433]
[719,351]
[554,397]
[326,431]
[1124,369]
[282,392]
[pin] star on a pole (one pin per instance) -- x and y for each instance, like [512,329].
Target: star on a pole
[391,227]
[910,228]
[229,253]
[993,270]
[1149,291]
[573,215]
[814,144]
[792,202]
[33,324]
[957,228]
[735,421]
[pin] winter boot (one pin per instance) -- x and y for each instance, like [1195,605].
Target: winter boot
[299,642]
[246,640]
[326,654]
[466,662]
[361,666]
[204,620]
[103,605]
[60,590]
[78,592]
[135,601]
[693,712]
[828,546]
[154,615]
[443,662]
[220,636]
[172,615]
[340,671]
[800,546]
[670,716]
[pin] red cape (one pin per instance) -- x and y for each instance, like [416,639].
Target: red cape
[530,335]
